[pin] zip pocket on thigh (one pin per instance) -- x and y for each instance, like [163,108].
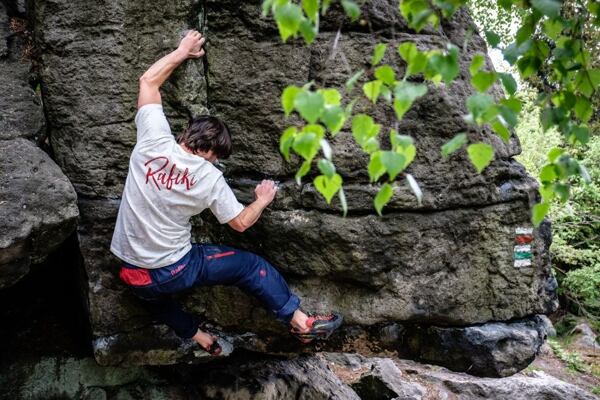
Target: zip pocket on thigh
[219,255]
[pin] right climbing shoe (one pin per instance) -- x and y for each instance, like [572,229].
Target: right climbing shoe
[319,327]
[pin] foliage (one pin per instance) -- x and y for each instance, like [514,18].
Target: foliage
[575,247]
[548,40]
[571,358]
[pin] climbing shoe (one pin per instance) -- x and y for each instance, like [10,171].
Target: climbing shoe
[320,327]
[214,349]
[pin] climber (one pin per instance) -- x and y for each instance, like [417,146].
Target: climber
[169,181]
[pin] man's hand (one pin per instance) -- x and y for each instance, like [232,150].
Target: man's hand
[189,47]
[191,44]
[265,192]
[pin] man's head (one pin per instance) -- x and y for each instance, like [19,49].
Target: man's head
[207,136]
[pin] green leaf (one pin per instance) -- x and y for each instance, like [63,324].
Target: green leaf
[547,193]
[378,53]
[310,105]
[480,106]
[501,130]
[509,83]
[548,173]
[446,65]
[393,162]
[400,141]
[404,145]
[288,17]
[562,190]
[476,64]
[332,96]
[386,74]
[492,38]
[326,167]
[454,144]
[554,153]
[407,51]
[363,129]
[308,30]
[483,80]
[311,8]
[416,60]
[353,79]
[307,143]
[375,168]
[583,109]
[418,13]
[538,213]
[481,155]
[370,145]
[386,93]
[513,103]
[333,117]
[286,140]
[405,94]
[580,134]
[551,8]
[384,195]
[266,5]
[351,9]
[328,187]
[528,65]
[304,168]
[372,89]
[414,186]
[509,116]
[287,98]
[552,28]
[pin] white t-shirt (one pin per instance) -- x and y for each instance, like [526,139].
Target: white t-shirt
[165,187]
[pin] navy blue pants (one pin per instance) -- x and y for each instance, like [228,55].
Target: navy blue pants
[206,265]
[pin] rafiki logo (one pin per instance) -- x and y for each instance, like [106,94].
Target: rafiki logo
[161,175]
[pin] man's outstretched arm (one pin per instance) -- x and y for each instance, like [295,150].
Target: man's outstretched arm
[189,47]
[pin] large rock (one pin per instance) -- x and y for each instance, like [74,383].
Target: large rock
[39,209]
[493,349]
[38,206]
[326,376]
[383,378]
[448,261]
[22,114]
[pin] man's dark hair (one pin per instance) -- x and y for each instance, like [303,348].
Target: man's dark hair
[205,133]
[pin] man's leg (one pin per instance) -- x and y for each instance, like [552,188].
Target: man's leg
[225,265]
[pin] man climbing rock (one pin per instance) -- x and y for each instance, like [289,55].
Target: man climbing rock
[169,181]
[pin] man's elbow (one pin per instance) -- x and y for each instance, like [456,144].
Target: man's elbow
[146,81]
[238,225]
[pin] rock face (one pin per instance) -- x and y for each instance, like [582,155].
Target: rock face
[38,203]
[323,376]
[492,349]
[448,261]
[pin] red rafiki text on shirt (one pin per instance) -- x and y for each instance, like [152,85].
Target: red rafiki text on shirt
[160,174]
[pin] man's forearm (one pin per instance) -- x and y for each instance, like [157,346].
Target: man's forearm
[160,71]
[251,213]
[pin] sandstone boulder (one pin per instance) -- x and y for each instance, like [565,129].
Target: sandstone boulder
[448,261]
[37,202]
